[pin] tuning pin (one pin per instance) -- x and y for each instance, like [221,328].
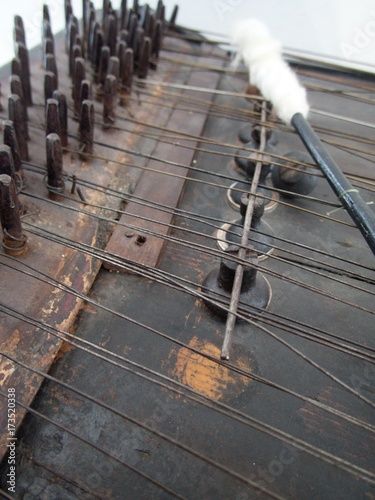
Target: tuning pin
[293,176]
[50,65]
[172,21]
[6,162]
[109,100]
[255,294]
[121,49]
[156,40]
[55,173]
[103,64]
[85,11]
[91,30]
[16,116]
[86,91]
[19,35]
[48,48]
[78,41]
[71,33]
[75,54]
[16,68]
[10,139]
[68,12]
[144,20]
[261,234]
[114,67]
[111,34]
[86,128]
[50,85]
[14,240]
[123,14]
[23,56]
[132,29]
[105,10]
[63,116]
[97,50]
[138,44]
[136,7]
[52,117]
[127,72]
[160,10]
[46,16]
[16,88]
[124,36]
[144,60]
[79,75]
[46,31]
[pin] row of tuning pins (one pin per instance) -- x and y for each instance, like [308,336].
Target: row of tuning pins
[124,43]
[14,150]
[291,176]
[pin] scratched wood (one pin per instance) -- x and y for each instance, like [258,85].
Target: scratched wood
[35,343]
[135,237]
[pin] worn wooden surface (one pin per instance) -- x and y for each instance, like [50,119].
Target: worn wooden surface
[85,223]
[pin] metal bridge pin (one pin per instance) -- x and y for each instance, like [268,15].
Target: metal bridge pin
[293,177]
[14,240]
[63,116]
[109,100]
[16,116]
[255,294]
[261,235]
[52,117]
[50,85]
[55,175]
[86,128]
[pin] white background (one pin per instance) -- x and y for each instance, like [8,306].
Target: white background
[341,29]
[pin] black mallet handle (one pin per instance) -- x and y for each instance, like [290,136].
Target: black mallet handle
[352,201]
